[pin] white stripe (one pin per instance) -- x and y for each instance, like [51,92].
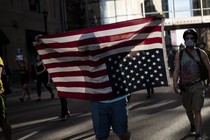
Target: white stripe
[28,123]
[85,90]
[97,34]
[29,135]
[81,79]
[101,45]
[75,68]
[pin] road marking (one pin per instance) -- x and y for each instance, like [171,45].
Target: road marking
[29,135]
[23,124]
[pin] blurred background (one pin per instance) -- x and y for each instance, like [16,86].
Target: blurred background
[21,21]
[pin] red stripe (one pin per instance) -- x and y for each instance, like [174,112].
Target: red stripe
[86,96]
[83,84]
[79,73]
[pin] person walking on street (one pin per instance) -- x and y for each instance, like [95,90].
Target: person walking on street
[6,128]
[42,77]
[65,113]
[24,80]
[187,80]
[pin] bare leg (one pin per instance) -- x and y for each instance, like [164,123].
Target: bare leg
[198,121]
[190,117]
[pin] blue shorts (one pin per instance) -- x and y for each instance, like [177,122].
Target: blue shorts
[105,115]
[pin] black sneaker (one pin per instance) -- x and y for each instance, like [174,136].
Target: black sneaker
[198,137]
[192,131]
[68,113]
[63,118]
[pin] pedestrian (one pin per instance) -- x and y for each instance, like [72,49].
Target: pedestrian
[189,85]
[150,91]
[42,77]
[108,114]
[65,113]
[24,80]
[6,128]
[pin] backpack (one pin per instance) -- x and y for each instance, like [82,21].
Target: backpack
[202,67]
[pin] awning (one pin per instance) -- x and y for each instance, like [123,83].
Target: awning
[3,38]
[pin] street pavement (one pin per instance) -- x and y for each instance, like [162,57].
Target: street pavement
[161,117]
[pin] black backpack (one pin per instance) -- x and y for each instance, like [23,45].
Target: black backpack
[202,67]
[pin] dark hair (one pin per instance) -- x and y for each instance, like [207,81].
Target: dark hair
[192,32]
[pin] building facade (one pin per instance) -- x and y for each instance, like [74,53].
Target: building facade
[20,22]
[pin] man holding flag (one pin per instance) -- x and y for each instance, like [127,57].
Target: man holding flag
[105,64]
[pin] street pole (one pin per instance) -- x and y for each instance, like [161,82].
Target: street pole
[63,15]
[45,14]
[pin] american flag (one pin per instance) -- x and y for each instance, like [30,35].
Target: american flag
[107,61]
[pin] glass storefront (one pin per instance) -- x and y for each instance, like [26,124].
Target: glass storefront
[97,12]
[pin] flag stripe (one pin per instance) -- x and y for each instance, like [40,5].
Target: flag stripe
[78,73]
[75,68]
[86,96]
[83,84]
[84,78]
[86,90]
[103,31]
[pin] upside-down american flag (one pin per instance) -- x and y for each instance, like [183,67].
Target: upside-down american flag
[107,61]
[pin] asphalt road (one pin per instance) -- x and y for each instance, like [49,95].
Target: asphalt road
[161,117]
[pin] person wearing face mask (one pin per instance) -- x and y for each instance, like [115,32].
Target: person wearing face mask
[187,81]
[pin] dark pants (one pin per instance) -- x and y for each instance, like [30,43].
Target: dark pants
[64,107]
[43,78]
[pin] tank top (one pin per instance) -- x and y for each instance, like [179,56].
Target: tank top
[190,72]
